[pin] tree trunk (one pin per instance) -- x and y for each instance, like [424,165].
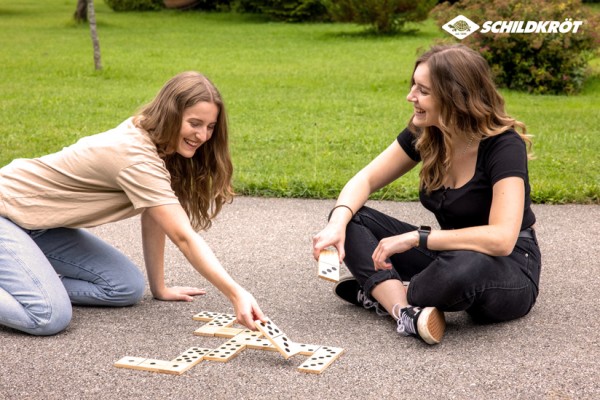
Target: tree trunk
[81,11]
[91,14]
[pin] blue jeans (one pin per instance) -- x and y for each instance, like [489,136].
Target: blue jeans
[488,288]
[43,272]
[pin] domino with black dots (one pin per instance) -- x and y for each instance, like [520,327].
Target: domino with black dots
[177,366]
[329,264]
[215,324]
[278,338]
[321,359]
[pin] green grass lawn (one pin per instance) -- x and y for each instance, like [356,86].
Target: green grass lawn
[309,104]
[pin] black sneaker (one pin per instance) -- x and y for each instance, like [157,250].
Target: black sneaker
[349,290]
[426,323]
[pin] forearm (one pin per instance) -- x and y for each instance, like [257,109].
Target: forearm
[154,254]
[498,238]
[203,259]
[354,195]
[493,240]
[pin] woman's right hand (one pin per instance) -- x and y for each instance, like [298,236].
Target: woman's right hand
[246,309]
[329,236]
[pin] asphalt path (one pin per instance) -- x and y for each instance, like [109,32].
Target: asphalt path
[552,353]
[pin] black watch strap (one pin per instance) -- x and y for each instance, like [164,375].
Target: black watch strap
[424,232]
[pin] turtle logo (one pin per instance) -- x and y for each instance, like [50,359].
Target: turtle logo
[460,27]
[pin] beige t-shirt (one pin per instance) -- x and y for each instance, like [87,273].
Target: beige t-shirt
[102,178]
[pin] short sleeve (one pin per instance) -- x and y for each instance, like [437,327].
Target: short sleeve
[506,157]
[407,140]
[147,184]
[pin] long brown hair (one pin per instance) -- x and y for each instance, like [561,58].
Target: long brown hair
[202,183]
[470,106]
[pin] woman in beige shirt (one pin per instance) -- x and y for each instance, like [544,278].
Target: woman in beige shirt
[170,163]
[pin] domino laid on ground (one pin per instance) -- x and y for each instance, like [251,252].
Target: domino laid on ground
[227,332]
[215,324]
[308,349]
[205,316]
[191,357]
[329,264]
[177,366]
[321,359]
[278,338]
[256,341]
[130,362]
[245,339]
[226,351]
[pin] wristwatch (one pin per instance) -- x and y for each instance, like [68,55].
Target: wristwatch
[424,232]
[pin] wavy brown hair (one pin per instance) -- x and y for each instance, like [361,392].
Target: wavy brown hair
[202,183]
[470,107]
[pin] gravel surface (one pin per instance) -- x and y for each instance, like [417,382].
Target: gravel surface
[553,353]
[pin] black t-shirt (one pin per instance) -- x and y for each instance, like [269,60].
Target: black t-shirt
[498,157]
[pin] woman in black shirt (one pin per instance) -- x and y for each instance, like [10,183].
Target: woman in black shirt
[485,259]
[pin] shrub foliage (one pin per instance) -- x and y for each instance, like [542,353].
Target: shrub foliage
[286,10]
[134,5]
[553,63]
[382,16]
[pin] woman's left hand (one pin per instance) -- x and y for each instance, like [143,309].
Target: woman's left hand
[393,245]
[179,293]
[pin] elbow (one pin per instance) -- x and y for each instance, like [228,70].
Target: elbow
[182,238]
[500,242]
[502,248]
[503,252]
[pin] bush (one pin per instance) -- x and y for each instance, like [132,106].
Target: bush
[382,16]
[286,10]
[213,5]
[541,62]
[134,5]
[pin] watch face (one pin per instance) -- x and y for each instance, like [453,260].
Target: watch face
[425,228]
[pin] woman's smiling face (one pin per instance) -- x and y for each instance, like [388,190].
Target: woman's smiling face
[426,109]
[197,126]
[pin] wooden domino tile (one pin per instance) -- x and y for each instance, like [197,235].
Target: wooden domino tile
[205,316]
[307,349]
[329,265]
[129,362]
[226,351]
[286,347]
[177,366]
[157,365]
[218,322]
[191,357]
[152,365]
[227,332]
[269,329]
[321,359]
[278,338]
[251,339]
[256,341]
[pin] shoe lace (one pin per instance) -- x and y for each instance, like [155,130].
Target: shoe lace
[364,300]
[368,303]
[406,321]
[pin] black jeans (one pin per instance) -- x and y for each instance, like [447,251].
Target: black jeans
[488,288]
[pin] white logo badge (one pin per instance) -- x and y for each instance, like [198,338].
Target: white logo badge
[460,27]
